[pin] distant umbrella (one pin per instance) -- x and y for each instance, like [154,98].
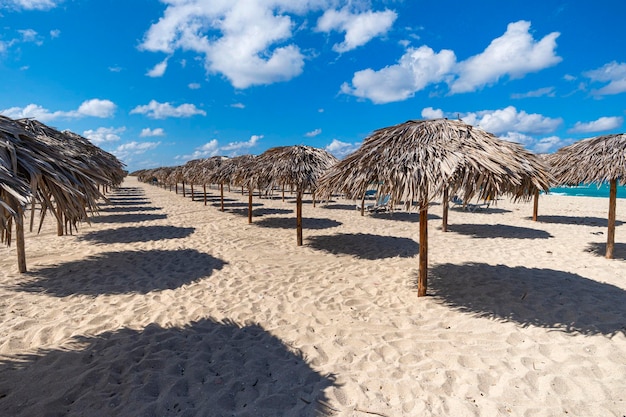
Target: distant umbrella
[296,166]
[595,160]
[225,173]
[417,161]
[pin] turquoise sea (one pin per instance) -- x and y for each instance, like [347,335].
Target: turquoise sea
[589,190]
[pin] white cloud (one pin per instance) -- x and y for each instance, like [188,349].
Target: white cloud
[116,68]
[238,105]
[510,119]
[55,33]
[515,54]
[30,35]
[193,86]
[235,146]
[237,39]
[549,144]
[93,107]
[540,92]
[35,4]
[341,149]
[313,133]
[158,70]
[430,113]
[415,70]
[156,110]
[614,73]
[129,149]
[97,108]
[147,132]
[104,134]
[207,150]
[360,28]
[600,125]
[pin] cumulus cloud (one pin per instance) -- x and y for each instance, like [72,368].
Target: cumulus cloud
[614,74]
[246,41]
[359,28]
[93,108]
[147,132]
[313,133]
[156,110]
[600,125]
[158,70]
[236,146]
[104,134]
[207,150]
[430,113]
[55,33]
[515,54]
[509,119]
[415,70]
[238,105]
[193,86]
[341,149]
[129,149]
[97,108]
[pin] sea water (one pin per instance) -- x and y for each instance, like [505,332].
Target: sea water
[589,190]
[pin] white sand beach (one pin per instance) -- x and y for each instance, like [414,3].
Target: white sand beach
[164,306]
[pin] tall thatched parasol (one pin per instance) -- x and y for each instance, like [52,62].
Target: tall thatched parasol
[417,160]
[594,160]
[296,166]
[58,177]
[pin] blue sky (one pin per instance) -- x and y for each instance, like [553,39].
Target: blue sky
[158,83]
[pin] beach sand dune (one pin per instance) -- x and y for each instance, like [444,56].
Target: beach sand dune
[164,306]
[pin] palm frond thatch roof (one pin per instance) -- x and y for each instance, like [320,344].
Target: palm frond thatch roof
[594,160]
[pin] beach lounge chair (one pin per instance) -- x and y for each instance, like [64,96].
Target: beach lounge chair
[458,202]
[381,204]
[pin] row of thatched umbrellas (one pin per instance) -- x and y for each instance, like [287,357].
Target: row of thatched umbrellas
[61,171]
[415,163]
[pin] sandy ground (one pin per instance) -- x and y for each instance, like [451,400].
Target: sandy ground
[164,306]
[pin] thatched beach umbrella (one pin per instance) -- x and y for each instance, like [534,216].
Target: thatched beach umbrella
[225,173]
[296,166]
[595,160]
[57,177]
[417,160]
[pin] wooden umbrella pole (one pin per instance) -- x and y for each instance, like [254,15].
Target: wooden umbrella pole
[299,216]
[176,188]
[222,196]
[444,216]
[610,236]
[250,190]
[422,282]
[536,205]
[313,196]
[363,205]
[204,189]
[19,240]
[32,215]
[192,193]
[184,195]
[283,193]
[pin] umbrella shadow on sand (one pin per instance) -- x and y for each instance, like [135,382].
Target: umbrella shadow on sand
[402,216]
[545,298]
[128,209]
[290,223]
[138,234]
[127,218]
[619,250]
[122,273]
[365,246]
[204,368]
[585,221]
[488,231]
